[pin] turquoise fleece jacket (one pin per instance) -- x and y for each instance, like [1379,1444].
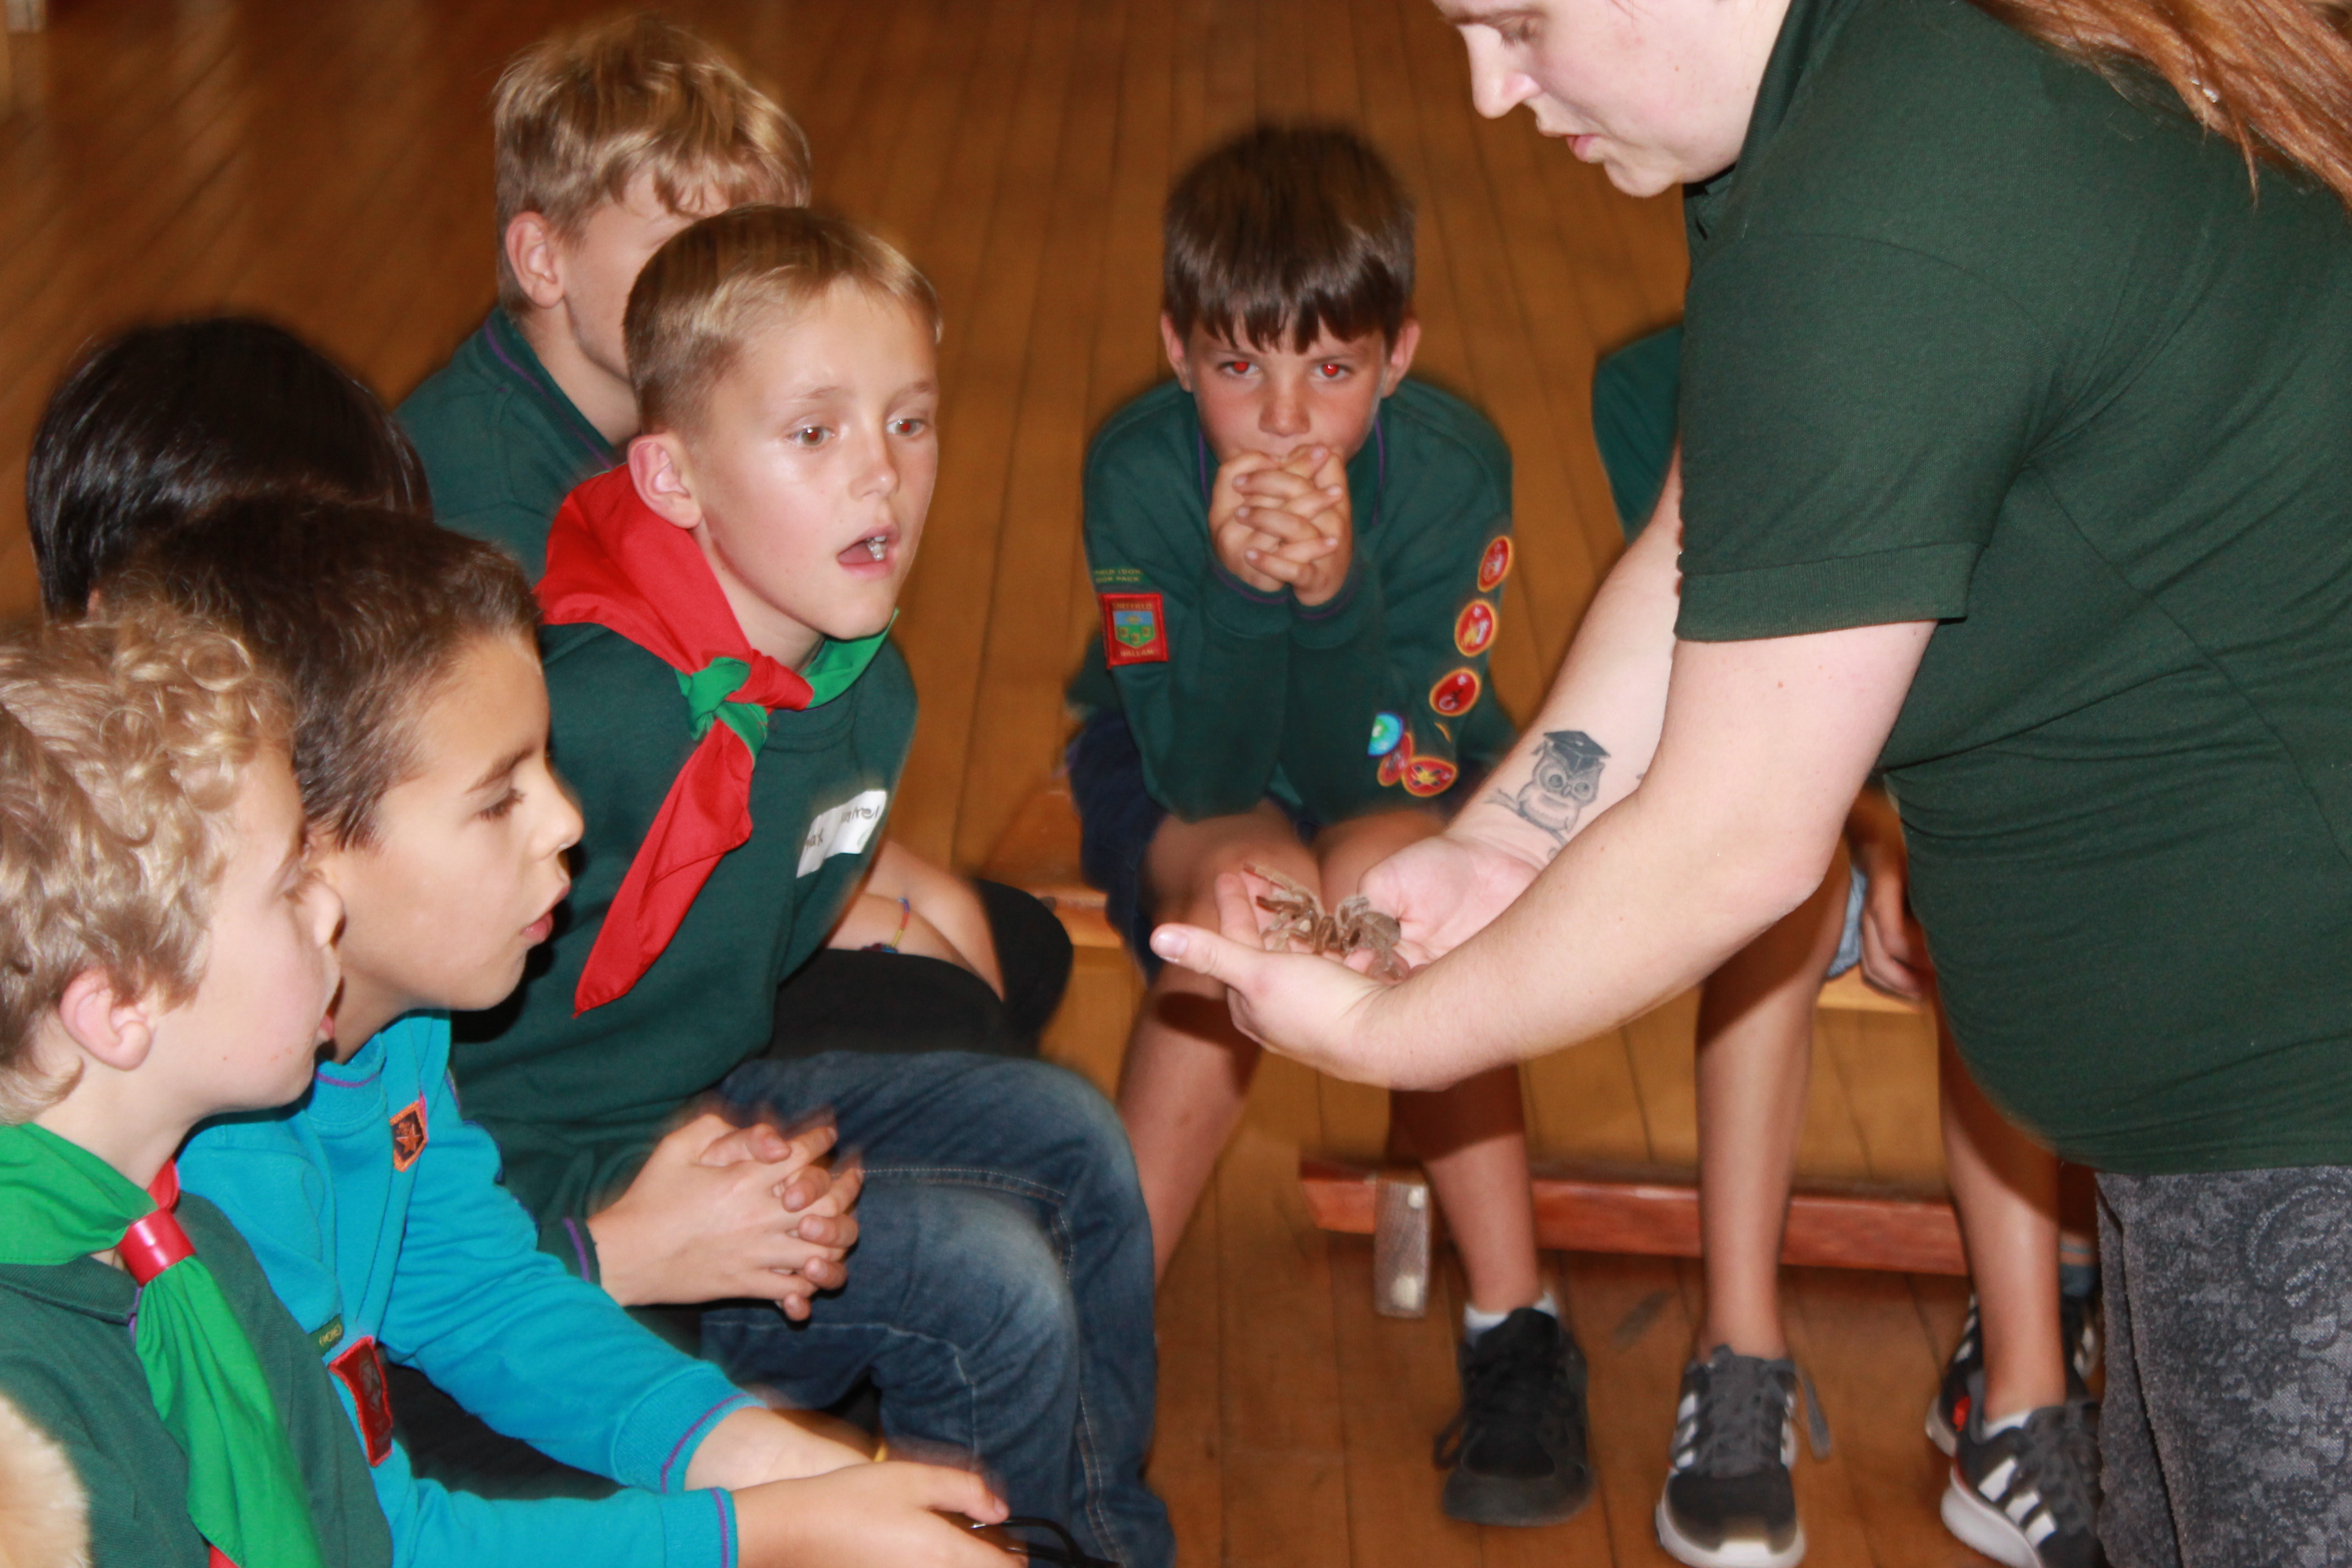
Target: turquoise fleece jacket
[362,1231]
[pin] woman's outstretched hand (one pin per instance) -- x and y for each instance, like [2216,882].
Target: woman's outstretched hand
[1445,889]
[1317,1010]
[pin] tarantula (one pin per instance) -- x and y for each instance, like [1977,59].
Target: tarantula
[1353,927]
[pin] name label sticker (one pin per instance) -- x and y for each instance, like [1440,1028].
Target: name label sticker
[845,829]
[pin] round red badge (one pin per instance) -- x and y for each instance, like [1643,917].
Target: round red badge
[1429,775]
[1399,758]
[1495,564]
[1456,694]
[1473,628]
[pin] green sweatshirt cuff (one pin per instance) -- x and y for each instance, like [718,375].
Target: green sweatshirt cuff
[572,1244]
[1233,607]
[1343,617]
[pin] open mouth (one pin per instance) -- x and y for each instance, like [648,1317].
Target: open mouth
[872,551]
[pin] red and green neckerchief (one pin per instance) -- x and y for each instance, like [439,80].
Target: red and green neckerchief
[59,1202]
[612,559]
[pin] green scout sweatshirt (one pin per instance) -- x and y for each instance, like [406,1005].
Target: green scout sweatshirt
[501,443]
[67,1362]
[1353,706]
[576,1103]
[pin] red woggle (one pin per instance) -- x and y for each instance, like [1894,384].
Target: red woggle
[157,1242]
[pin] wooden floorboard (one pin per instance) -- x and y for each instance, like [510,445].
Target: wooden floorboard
[327,162]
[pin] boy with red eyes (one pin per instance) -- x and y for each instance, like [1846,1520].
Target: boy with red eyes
[1300,554]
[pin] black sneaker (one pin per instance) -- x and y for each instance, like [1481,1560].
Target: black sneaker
[1728,1503]
[2029,1496]
[1516,1449]
[2078,1332]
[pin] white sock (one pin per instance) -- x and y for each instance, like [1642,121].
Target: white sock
[1476,1322]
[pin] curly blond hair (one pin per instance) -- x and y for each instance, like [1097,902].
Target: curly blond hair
[122,739]
[578,116]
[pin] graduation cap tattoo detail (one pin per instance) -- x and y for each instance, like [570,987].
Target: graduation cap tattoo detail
[1566,779]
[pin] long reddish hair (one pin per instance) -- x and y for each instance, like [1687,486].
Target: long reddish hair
[2272,75]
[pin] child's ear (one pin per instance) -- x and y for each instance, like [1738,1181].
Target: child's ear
[1401,354]
[658,469]
[1174,342]
[108,1028]
[531,252]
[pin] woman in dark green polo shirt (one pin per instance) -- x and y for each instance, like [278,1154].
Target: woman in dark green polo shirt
[2017,416]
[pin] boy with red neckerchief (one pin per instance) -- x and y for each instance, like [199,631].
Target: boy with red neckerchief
[734,718]
[167,957]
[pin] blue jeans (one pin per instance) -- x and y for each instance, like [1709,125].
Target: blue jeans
[1000,1294]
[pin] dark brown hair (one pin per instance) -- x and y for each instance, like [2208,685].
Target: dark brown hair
[363,612]
[2272,75]
[1289,228]
[159,424]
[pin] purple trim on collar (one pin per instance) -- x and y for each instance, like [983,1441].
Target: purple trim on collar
[573,421]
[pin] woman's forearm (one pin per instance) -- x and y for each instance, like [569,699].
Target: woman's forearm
[1594,737]
[1764,747]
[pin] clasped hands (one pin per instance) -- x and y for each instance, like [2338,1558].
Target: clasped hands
[721,1211]
[1277,522]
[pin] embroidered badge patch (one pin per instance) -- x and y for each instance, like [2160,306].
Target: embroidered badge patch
[1135,630]
[361,1369]
[1456,694]
[1400,757]
[1495,564]
[409,1135]
[1429,775]
[1387,731]
[1473,628]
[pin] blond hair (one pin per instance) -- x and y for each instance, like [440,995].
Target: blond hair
[122,739]
[580,115]
[2274,77]
[719,282]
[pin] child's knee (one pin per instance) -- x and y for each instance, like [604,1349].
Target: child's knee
[1184,865]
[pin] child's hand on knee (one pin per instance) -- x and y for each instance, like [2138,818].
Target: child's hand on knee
[869,1516]
[707,1218]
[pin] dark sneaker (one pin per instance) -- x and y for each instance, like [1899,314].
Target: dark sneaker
[2078,1331]
[1516,1449]
[2029,1496]
[1730,1503]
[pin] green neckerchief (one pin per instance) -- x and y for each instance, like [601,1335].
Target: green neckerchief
[833,670]
[59,1202]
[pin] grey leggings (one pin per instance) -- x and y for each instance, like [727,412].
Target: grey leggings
[2226,1431]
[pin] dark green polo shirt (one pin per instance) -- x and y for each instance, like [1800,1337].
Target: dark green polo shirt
[577,1102]
[501,443]
[1974,336]
[67,1362]
[1254,694]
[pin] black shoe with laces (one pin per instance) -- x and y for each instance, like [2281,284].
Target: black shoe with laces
[1517,1449]
[2078,1336]
[1728,1503]
[2029,1496]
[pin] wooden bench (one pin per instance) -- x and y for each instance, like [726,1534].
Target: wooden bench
[1578,1208]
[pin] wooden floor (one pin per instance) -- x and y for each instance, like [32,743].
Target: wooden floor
[326,162]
